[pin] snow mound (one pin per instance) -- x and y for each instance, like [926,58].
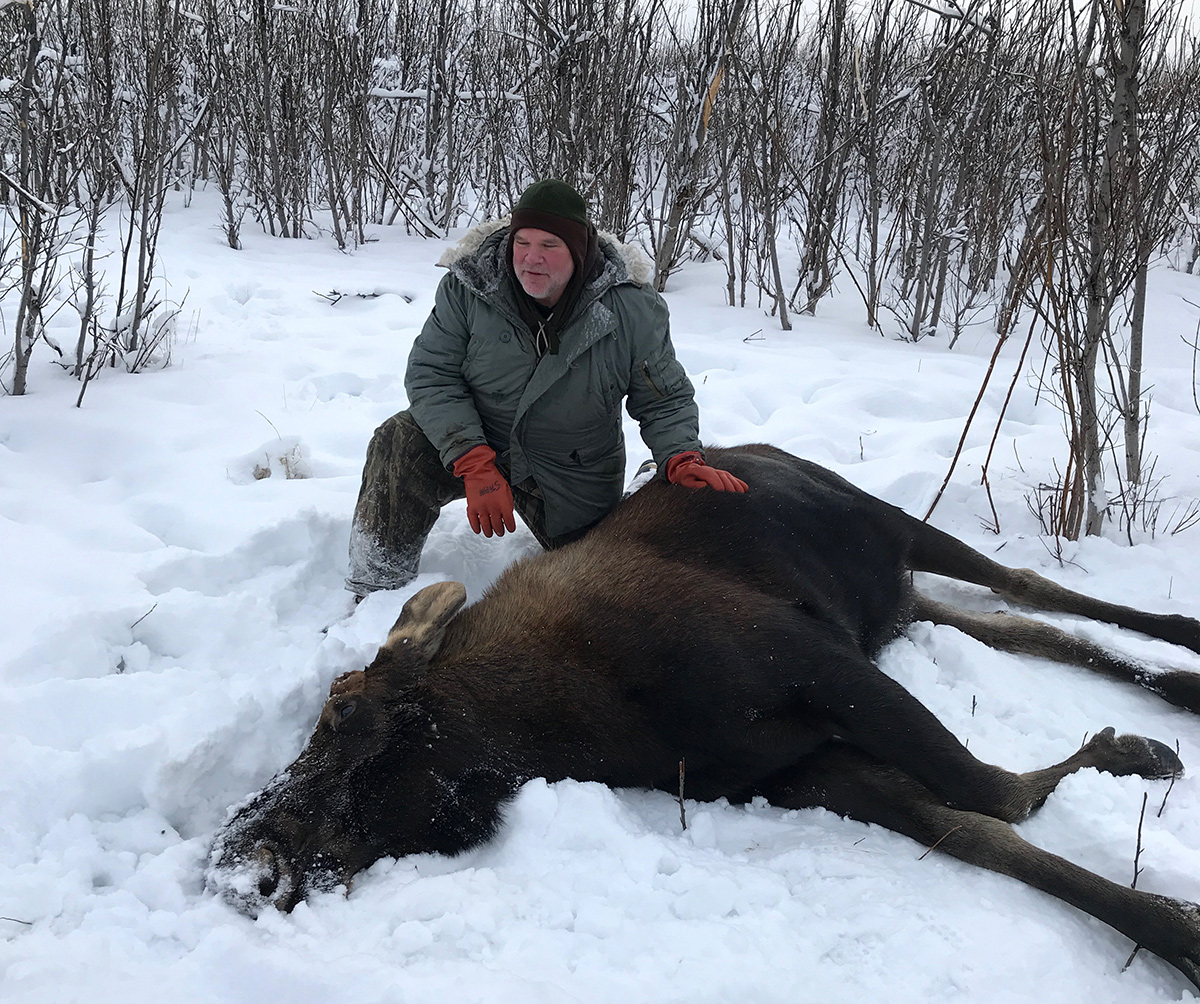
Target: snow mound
[286,457]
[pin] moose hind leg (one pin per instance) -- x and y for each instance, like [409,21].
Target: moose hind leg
[868,709]
[1025,636]
[831,680]
[939,553]
[854,784]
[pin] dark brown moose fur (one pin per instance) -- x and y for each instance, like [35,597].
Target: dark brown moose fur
[734,631]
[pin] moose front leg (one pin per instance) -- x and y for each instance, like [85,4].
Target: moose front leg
[851,783]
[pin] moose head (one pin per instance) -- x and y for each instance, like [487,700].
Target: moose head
[393,767]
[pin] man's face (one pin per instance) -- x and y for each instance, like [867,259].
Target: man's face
[543,264]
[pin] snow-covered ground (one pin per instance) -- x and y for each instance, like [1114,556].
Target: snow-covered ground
[162,656]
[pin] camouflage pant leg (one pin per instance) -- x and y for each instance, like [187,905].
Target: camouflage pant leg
[527,500]
[404,487]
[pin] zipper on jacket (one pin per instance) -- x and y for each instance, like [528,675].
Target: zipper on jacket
[650,380]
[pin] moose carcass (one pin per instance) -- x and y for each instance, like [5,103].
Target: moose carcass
[736,631]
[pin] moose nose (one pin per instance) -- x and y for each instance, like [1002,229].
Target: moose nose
[267,868]
[274,879]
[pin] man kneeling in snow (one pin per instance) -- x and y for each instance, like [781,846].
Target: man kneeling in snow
[539,331]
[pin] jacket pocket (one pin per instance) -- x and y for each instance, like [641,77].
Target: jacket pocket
[662,373]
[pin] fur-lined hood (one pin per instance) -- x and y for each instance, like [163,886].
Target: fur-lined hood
[478,260]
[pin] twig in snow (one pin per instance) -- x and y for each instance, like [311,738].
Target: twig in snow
[938,841]
[1169,787]
[1195,347]
[682,810]
[268,421]
[1137,855]
[1136,872]
[27,923]
[143,617]
[335,296]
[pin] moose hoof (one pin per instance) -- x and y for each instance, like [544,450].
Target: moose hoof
[1181,630]
[1179,687]
[1130,754]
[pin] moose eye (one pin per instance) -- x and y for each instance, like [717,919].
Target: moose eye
[344,714]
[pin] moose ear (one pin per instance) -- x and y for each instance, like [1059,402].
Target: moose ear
[422,623]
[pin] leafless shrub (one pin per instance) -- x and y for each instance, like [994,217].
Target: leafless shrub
[681,182]
[881,94]
[155,132]
[40,120]
[222,143]
[587,70]
[344,43]
[768,98]
[953,162]
[269,46]
[1106,210]
[827,176]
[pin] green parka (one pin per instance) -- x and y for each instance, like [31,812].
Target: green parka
[474,377]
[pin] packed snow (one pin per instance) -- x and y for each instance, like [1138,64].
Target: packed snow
[173,614]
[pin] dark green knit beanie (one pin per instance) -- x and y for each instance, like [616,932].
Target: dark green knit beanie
[554,206]
[555,197]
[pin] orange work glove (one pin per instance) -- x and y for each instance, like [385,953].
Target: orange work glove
[690,470]
[489,499]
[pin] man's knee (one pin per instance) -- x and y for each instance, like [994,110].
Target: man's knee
[399,436]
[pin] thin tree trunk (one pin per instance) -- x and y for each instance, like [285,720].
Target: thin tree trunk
[1132,31]
[1133,407]
[30,215]
[690,160]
